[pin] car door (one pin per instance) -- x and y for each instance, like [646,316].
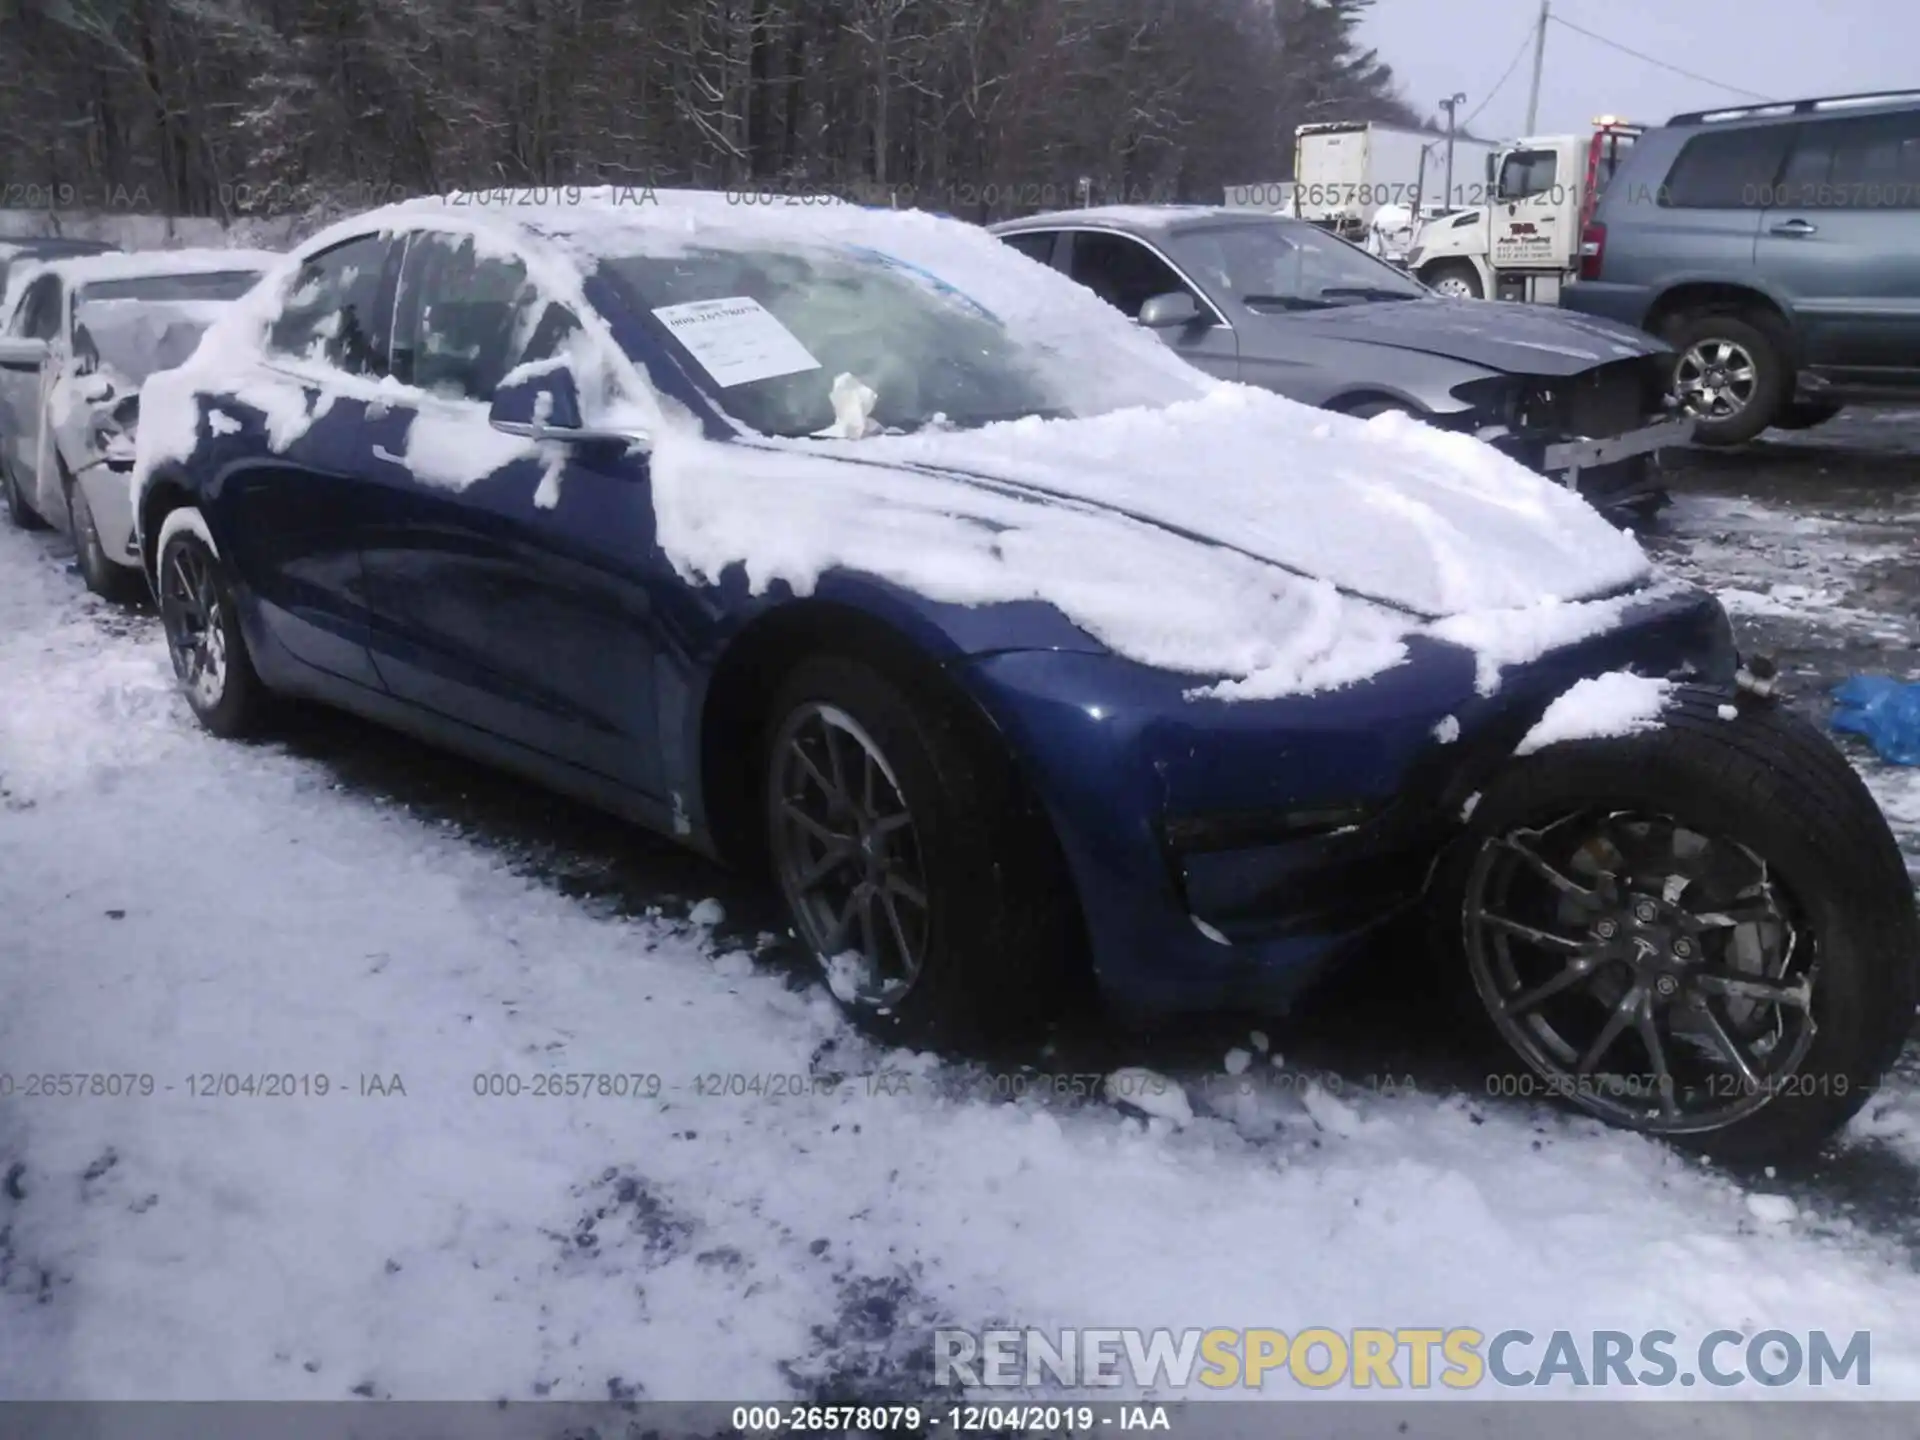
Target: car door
[23,387]
[289,512]
[1526,213]
[1126,272]
[505,584]
[1840,241]
[1702,221]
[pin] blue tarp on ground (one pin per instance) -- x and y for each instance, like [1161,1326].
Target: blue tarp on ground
[1884,711]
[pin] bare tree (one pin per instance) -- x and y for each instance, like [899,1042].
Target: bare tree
[980,107]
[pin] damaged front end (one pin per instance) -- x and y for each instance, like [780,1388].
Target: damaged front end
[1598,432]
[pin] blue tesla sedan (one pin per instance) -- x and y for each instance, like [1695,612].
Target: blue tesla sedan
[857,549]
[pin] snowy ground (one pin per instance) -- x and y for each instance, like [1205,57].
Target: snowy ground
[343,904]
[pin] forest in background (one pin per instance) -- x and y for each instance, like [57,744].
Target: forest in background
[983,108]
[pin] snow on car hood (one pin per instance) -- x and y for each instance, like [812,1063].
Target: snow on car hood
[1242,537]
[1514,339]
[1390,509]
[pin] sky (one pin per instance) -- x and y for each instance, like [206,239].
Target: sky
[1778,49]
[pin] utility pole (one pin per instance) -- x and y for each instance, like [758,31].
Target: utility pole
[1450,106]
[1539,62]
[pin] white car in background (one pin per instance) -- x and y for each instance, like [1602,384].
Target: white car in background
[81,335]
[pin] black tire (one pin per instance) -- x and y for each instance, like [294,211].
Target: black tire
[1700,336]
[1462,280]
[1367,409]
[23,515]
[196,604]
[119,583]
[998,938]
[1776,789]
[1805,414]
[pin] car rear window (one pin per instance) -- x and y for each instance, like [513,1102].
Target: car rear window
[1865,162]
[1727,170]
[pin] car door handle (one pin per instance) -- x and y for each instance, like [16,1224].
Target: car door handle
[380,452]
[1795,227]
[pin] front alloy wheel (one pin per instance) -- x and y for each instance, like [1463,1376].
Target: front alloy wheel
[1704,931]
[1657,976]
[848,856]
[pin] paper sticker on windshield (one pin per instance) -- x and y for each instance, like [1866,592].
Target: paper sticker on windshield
[736,340]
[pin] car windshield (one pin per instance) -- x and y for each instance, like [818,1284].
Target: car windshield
[777,333]
[1287,266]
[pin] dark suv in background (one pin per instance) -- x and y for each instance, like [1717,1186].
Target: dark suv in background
[1777,248]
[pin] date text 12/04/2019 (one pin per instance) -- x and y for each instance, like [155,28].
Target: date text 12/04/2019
[958,1419]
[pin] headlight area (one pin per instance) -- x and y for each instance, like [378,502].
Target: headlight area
[1327,871]
[1297,816]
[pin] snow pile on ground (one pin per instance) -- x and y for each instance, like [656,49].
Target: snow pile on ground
[1600,708]
[193,910]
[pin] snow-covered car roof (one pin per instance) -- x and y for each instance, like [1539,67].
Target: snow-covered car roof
[1150,217]
[86,269]
[78,270]
[1187,522]
[14,246]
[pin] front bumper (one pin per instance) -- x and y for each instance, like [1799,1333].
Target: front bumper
[1225,854]
[1570,457]
[1596,432]
[109,496]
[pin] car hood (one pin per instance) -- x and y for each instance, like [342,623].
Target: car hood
[1511,338]
[1390,510]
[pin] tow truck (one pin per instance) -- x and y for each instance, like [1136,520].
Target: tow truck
[1521,239]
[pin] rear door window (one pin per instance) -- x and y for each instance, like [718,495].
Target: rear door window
[1727,170]
[1865,162]
[1034,244]
[38,317]
[333,315]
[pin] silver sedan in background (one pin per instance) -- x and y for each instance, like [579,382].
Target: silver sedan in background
[1282,304]
[81,335]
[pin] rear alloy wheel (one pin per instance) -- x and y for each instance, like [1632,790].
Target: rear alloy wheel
[1730,376]
[109,581]
[204,640]
[919,873]
[1704,932]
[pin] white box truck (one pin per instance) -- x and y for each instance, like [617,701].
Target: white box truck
[1345,171]
[1521,238]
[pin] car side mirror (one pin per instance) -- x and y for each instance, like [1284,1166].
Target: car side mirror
[542,402]
[19,353]
[1170,311]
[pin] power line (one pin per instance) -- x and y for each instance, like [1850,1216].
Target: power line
[1506,75]
[1662,64]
